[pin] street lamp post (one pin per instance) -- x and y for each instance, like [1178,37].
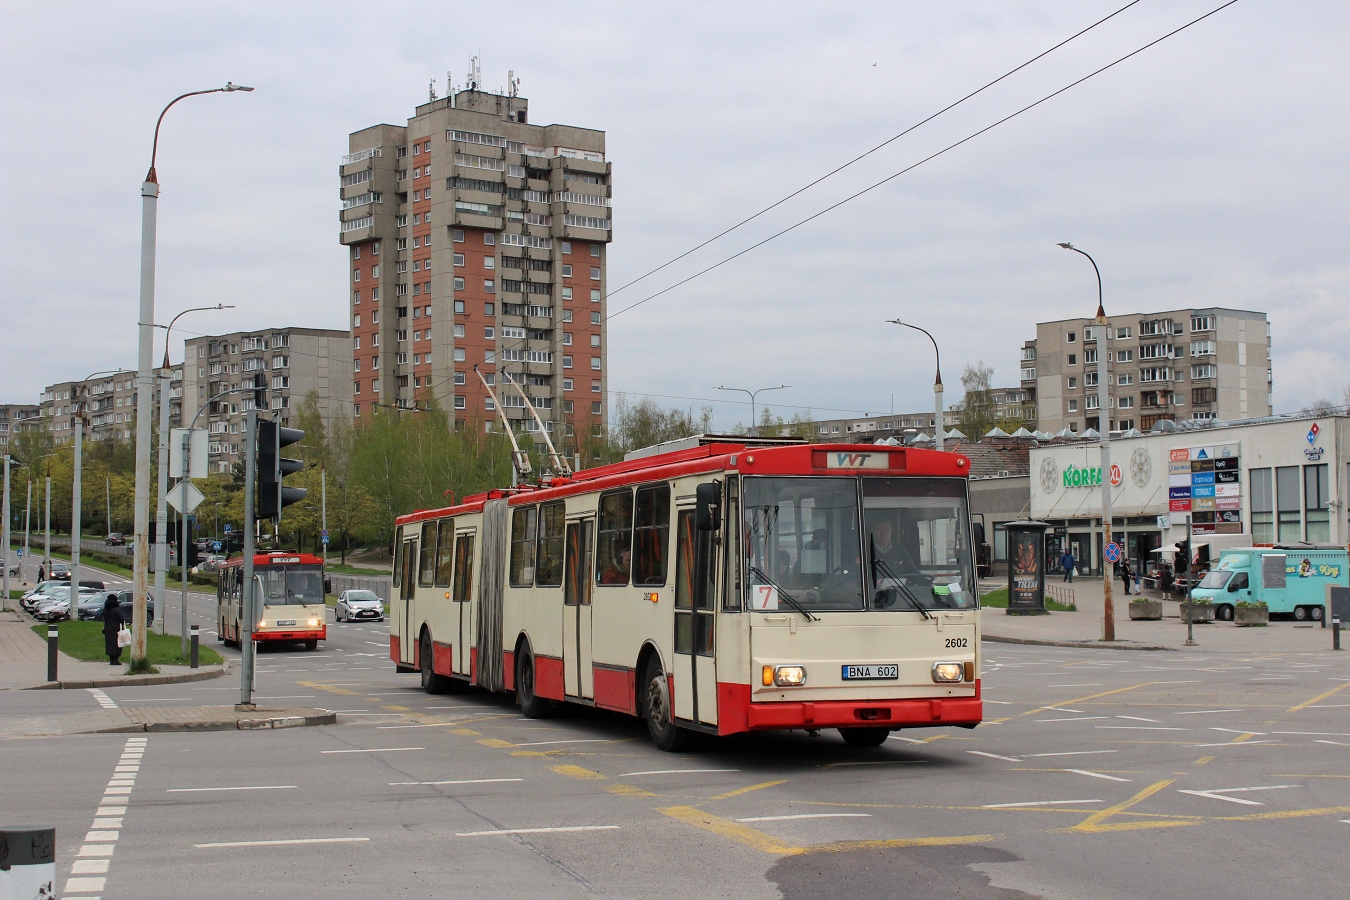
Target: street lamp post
[145,382]
[76,500]
[1104,431]
[161,510]
[754,394]
[937,383]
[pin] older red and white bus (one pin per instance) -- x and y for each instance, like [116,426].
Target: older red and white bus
[292,603]
[719,587]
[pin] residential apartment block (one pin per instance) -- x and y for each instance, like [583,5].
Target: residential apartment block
[15,417]
[107,403]
[221,369]
[1009,404]
[477,241]
[1187,364]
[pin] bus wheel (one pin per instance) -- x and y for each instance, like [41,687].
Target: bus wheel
[1315,612]
[431,682]
[1224,613]
[311,644]
[531,705]
[666,735]
[864,737]
[1300,613]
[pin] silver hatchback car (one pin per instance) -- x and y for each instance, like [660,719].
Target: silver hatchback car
[359,606]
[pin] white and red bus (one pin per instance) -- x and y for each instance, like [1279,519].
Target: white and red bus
[291,599]
[721,587]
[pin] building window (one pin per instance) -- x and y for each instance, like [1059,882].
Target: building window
[1288,504]
[567,315]
[356,387]
[595,408]
[1202,323]
[489,310]
[458,236]
[1204,395]
[567,293]
[595,340]
[459,307]
[1316,503]
[1125,402]
[595,251]
[1070,337]
[595,363]
[1073,382]
[1072,359]
[1073,406]
[568,407]
[567,338]
[459,378]
[356,321]
[595,270]
[595,386]
[375,386]
[459,331]
[459,283]
[489,286]
[567,362]
[459,354]
[567,384]
[567,247]
[1262,506]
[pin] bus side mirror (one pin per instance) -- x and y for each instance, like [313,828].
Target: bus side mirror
[709,501]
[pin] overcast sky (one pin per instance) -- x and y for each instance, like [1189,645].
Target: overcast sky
[1208,171]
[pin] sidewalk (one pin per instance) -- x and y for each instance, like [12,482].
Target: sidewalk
[163,718]
[1085,626]
[23,664]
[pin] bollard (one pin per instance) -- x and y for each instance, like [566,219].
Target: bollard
[195,637]
[27,861]
[1190,632]
[51,653]
[1336,633]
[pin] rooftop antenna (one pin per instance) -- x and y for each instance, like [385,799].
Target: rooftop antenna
[560,466]
[520,463]
[431,88]
[475,74]
[512,83]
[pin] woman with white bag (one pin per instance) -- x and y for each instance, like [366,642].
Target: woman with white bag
[114,626]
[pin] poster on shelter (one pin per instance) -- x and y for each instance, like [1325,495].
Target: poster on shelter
[1027,584]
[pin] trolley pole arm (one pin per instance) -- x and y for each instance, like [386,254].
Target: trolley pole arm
[520,460]
[559,466]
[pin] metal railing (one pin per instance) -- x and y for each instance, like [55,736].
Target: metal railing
[381,586]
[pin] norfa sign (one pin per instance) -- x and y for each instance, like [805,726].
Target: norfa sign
[1082,476]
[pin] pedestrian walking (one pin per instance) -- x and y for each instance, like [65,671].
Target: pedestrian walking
[112,624]
[1067,562]
[1123,570]
[42,572]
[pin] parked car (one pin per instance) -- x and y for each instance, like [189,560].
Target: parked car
[116,539]
[124,604]
[56,608]
[44,589]
[358,605]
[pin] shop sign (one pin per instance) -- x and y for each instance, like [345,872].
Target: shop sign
[1082,476]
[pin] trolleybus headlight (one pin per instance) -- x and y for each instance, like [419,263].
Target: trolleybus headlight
[313,622]
[947,671]
[789,676]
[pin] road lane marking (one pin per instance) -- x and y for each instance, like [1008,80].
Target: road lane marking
[732,831]
[1139,719]
[468,781]
[1036,803]
[1232,744]
[1097,684]
[537,830]
[1072,719]
[1337,743]
[995,756]
[673,772]
[579,741]
[746,790]
[807,816]
[577,772]
[1095,774]
[1095,822]
[1316,733]
[375,750]
[1132,687]
[1221,793]
[103,699]
[259,787]
[1319,698]
[1202,712]
[1071,752]
[1143,727]
[1058,709]
[337,840]
[1237,731]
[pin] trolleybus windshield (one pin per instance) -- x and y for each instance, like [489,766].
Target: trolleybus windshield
[291,585]
[835,544]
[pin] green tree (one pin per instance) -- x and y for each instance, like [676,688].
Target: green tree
[977,413]
[635,424]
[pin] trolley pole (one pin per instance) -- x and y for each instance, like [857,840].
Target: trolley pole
[247,596]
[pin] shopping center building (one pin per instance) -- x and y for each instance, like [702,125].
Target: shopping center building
[1275,479]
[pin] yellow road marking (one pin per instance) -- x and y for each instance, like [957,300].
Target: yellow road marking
[468,731]
[841,846]
[1319,697]
[1204,759]
[1093,823]
[495,742]
[573,771]
[1089,697]
[732,831]
[746,790]
[329,688]
[1291,775]
[396,708]
[1287,814]
[1241,738]
[627,790]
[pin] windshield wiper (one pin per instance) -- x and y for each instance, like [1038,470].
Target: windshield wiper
[879,563]
[758,573]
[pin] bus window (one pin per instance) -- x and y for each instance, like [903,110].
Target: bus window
[398,555]
[801,536]
[552,521]
[463,568]
[290,585]
[651,528]
[524,521]
[731,578]
[614,543]
[444,552]
[577,587]
[427,562]
[917,534]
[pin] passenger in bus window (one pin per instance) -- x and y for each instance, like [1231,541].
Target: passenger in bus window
[616,571]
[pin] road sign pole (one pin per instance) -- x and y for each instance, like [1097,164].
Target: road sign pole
[323,484]
[183,553]
[247,597]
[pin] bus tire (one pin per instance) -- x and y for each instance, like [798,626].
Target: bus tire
[1300,613]
[1224,613]
[864,737]
[311,644]
[431,682]
[532,706]
[665,734]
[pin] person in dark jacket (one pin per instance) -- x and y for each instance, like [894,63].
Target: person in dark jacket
[1067,562]
[112,623]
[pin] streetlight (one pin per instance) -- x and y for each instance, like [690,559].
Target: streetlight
[1104,430]
[937,382]
[145,380]
[161,510]
[753,394]
[76,498]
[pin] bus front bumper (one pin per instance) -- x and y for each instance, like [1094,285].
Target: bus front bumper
[292,634]
[896,714]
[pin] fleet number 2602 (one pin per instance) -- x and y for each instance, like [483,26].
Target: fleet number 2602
[956,642]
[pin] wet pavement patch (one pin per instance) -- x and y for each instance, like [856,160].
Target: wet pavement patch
[893,873]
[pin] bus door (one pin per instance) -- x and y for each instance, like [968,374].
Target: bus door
[578,676]
[407,645]
[694,664]
[461,594]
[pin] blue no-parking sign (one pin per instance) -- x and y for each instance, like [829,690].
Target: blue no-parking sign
[1112,552]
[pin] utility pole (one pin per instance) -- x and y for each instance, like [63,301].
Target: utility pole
[323,484]
[107,485]
[47,542]
[183,552]
[247,598]
[162,542]
[753,423]
[76,499]
[4,556]
[27,509]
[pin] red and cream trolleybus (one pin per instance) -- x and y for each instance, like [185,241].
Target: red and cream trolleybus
[721,585]
[291,599]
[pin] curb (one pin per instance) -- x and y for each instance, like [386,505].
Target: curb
[205,674]
[321,718]
[1095,645]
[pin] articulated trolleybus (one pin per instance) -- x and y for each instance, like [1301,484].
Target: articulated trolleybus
[290,588]
[714,585]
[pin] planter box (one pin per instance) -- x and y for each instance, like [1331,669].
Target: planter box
[1197,612]
[1251,615]
[1150,610]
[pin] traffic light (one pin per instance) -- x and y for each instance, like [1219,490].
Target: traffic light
[259,393]
[273,496]
[188,553]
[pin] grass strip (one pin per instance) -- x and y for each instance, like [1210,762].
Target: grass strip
[998,599]
[84,640]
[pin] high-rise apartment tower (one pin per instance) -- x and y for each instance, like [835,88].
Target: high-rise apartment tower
[477,239]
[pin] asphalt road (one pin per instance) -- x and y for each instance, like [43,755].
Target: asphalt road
[1099,774]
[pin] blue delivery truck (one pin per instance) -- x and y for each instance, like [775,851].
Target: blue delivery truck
[1287,580]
